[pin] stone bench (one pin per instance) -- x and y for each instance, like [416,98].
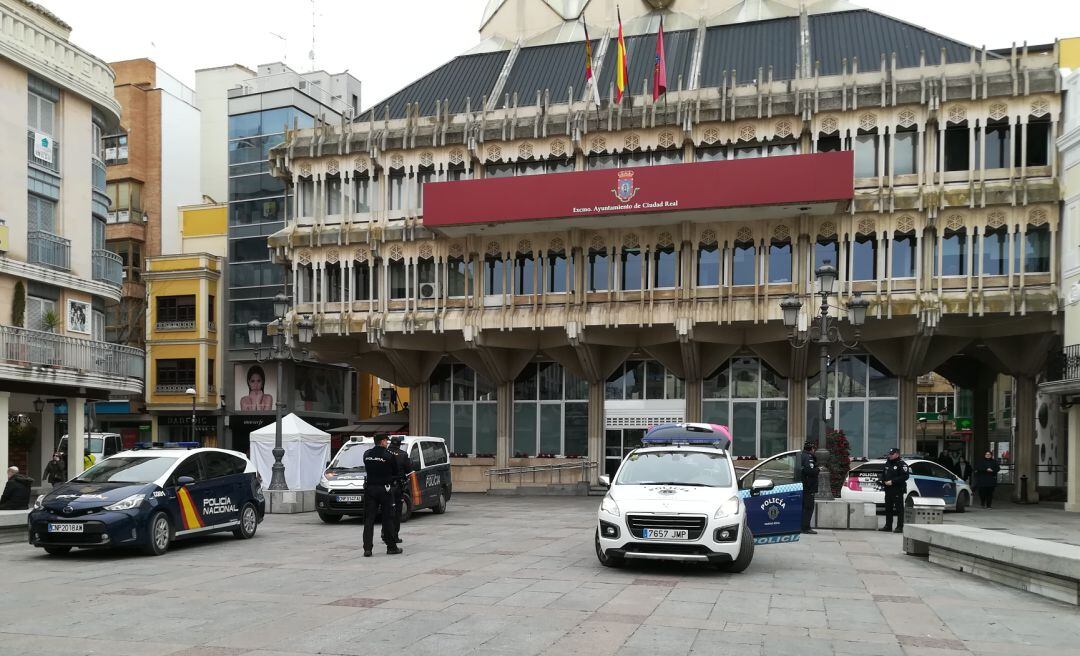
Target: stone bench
[13,518]
[837,514]
[1046,568]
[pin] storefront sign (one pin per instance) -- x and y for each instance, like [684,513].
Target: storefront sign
[201,421]
[789,181]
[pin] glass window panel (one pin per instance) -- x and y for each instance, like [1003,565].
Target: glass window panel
[614,387]
[603,161]
[550,381]
[493,275]
[995,245]
[743,265]
[866,146]
[716,385]
[883,435]
[598,271]
[665,267]
[524,269]
[813,418]
[635,380]
[551,428]
[747,153]
[576,388]
[486,425]
[458,272]
[1038,142]
[783,149]
[714,412]
[850,376]
[1037,250]
[864,258]
[464,383]
[903,256]
[398,288]
[953,254]
[485,389]
[780,262]
[997,146]
[710,153]
[674,387]
[524,429]
[556,273]
[708,266]
[773,427]
[440,420]
[882,382]
[631,268]
[744,429]
[957,154]
[773,385]
[525,384]
[576,429]
[654,380]
[744,377]
[851,422]
[463,428]
[440,383]
[825,250]
[904,152]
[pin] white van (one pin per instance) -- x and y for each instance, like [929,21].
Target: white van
[100,445]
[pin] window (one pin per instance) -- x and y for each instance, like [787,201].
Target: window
[777,150]
[957,141]
[710,153]
[865,404]
[905,146]
[555,273]
[524,269]
[864,258]
[176,373]
[631,269]
[751,398]
[747,152]
[115,149]
[398,274]
[493,275]
[866,155]
[1037,250]
[192,468]
[997,145]
[40,214]
[332,274]
[780,261]
[365,282]
[395,192]
[362,193]
[903,255]
[665,267]
[210,373]
[829,143]
[602,161]
[550,412]
[826,251]
[425,175]
[1038,142]
[425,272]
[219,464]
[463,410]
[414,458]
[40,114]
[210,309]
[130,258]
[598,270]
[708,265]
[499,170]
[97,325]
[743,264]
[995,247]
[333,195]
[434,453]
[176,310]
[96,146]
[459,277]
[125,197]
[637,380]
[953,246]
[36,309]
[456,172]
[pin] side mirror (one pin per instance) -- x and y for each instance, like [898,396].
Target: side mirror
[761,485]
[185,480]
[605,480]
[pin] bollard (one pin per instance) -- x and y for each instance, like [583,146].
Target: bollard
[1023,489]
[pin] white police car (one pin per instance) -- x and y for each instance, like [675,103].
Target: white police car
[147,498]
[926,479]
[678,498]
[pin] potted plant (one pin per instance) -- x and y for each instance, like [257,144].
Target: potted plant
[840,457]
[50,321]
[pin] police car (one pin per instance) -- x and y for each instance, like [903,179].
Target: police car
[926,479]
[149,497]
[678,497]
[340,492]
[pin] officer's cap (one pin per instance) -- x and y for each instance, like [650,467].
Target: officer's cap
[397,439]
[893,450]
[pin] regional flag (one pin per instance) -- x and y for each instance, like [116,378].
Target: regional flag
[621,64]
[589,80]
[659,76]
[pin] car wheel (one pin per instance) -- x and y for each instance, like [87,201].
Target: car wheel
[746,554]
[249,522]
[962,502]
[910,501]
[406,508]
[161,534]
[440,505]
[329,519]
[606,560]
[57,551]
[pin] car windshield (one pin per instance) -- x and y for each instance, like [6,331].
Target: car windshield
[675,468]
[134,469]
[350,457]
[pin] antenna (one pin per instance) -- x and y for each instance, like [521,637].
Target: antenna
[284,45]
[311,53]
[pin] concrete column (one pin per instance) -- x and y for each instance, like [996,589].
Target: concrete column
[693,401]
[46,439]
[796,413]
[5,408]
[596,427]
[1072,462]
[419,409]
[76,436]
[906,428]
[1023,448]
[504,423]
[980,407]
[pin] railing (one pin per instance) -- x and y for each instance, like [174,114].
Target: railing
[504,473]
[173,389]
[36,347]
[175,325]
[49,249]
[108,267]
[1064,364]
[54,165]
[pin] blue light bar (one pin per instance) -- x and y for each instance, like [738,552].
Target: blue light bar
[166,445]
[689,433]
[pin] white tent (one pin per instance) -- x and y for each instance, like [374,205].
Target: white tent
[307,450]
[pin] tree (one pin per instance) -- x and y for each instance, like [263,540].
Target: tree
[840,459]
[18,304]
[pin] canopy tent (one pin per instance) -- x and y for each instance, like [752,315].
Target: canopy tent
[307,450]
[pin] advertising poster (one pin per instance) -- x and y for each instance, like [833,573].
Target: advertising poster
[78,317]
[256,387]
[319,390]
[43,147]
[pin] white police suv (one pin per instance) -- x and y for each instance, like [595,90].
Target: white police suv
[678,498]
[927,479]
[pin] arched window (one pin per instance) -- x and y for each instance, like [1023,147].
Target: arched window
[743,263]
[995,247]
[555,271]
[903,254]
[953,245]
[997,144]
[665,267]
[425,274]
[365,282]
[598,270]
[458,276]
[332,271]
[905,145]
[780,261]
[864,258]
[524,269]
[826,250]
[631,268]
[957,147]
[398,279]
[362,198]
[332,189]
[1037,249]
[493,274]
[865,145]
[708,265]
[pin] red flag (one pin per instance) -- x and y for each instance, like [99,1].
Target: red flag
[622,75]
[659,76]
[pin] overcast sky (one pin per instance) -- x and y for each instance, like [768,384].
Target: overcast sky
[389,43]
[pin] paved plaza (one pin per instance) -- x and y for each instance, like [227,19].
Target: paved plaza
[515,576]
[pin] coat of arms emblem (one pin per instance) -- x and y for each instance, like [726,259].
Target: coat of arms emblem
[624,186]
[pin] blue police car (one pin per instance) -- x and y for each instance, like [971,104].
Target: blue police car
[149,497]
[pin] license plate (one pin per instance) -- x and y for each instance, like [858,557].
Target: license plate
[65,528]
[350,498]
[664,534]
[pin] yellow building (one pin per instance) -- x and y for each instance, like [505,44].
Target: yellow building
[184,350]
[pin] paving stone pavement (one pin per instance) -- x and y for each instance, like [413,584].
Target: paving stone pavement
[501,575]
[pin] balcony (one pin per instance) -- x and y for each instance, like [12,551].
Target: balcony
[173,389]
[37,348]
[174,325]
[108,267]
[1063,371]
[49,250]
[54,165]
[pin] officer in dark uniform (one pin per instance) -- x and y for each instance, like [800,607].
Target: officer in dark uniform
[894,481]
[808,472]
[401,485]
[382,471]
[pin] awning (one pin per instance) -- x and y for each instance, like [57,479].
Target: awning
[393,422]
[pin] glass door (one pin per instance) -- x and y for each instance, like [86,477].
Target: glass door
[617,443]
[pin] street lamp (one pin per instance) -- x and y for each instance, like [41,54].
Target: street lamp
[279,351]
[824,332]
[191,392]
[39,405]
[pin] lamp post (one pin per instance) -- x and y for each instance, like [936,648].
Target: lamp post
[191,392]
[825,332]
[279,351]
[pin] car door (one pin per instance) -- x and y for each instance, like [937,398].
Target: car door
[414,488]
[923,480]
[945,482]
[188,499]
[222,490]
[436,469]
[774,515]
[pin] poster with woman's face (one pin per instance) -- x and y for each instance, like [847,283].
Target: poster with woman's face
[78,317]
[319,390]
[256,387]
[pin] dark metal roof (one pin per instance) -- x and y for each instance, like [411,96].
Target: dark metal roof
[745,47]
[641,51]
[468,76]
[555,67]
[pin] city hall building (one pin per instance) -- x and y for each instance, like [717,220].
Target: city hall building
[550,277]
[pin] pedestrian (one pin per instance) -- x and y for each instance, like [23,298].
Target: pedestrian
[946,461]
[56,471]
[964,469]
[400,485]
[893,479]
[381,472]
[808,473]
[986,473]
[16,494]
[87,460]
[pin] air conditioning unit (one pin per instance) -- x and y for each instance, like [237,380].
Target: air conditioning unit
[429,290]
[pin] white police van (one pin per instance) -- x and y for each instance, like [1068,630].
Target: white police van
[678,497]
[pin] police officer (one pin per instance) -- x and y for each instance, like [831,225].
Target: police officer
[893,480]
[808,472]
[401,484]
[381,472]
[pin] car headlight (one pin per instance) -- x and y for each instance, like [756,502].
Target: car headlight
[38,505]
[323,482]
[729,508]
[609,506]
[129,503]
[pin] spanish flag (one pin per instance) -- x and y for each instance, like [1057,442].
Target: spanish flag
[589,80]
[621,64]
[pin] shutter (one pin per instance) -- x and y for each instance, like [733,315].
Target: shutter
[98,327]
[32,111]
[34,311]
[33,212]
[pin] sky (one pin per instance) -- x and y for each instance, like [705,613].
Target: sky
[387,44]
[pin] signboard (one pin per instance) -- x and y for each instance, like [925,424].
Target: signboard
[43,147]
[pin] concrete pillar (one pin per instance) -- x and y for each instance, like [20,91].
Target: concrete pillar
[908,393]
[76,436]
[796,414]
[5,408]
[1072,461]
[1023,448]
[980,422]
[693,401]
[596,427]
[46,439]
[420,409]
[504,423]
